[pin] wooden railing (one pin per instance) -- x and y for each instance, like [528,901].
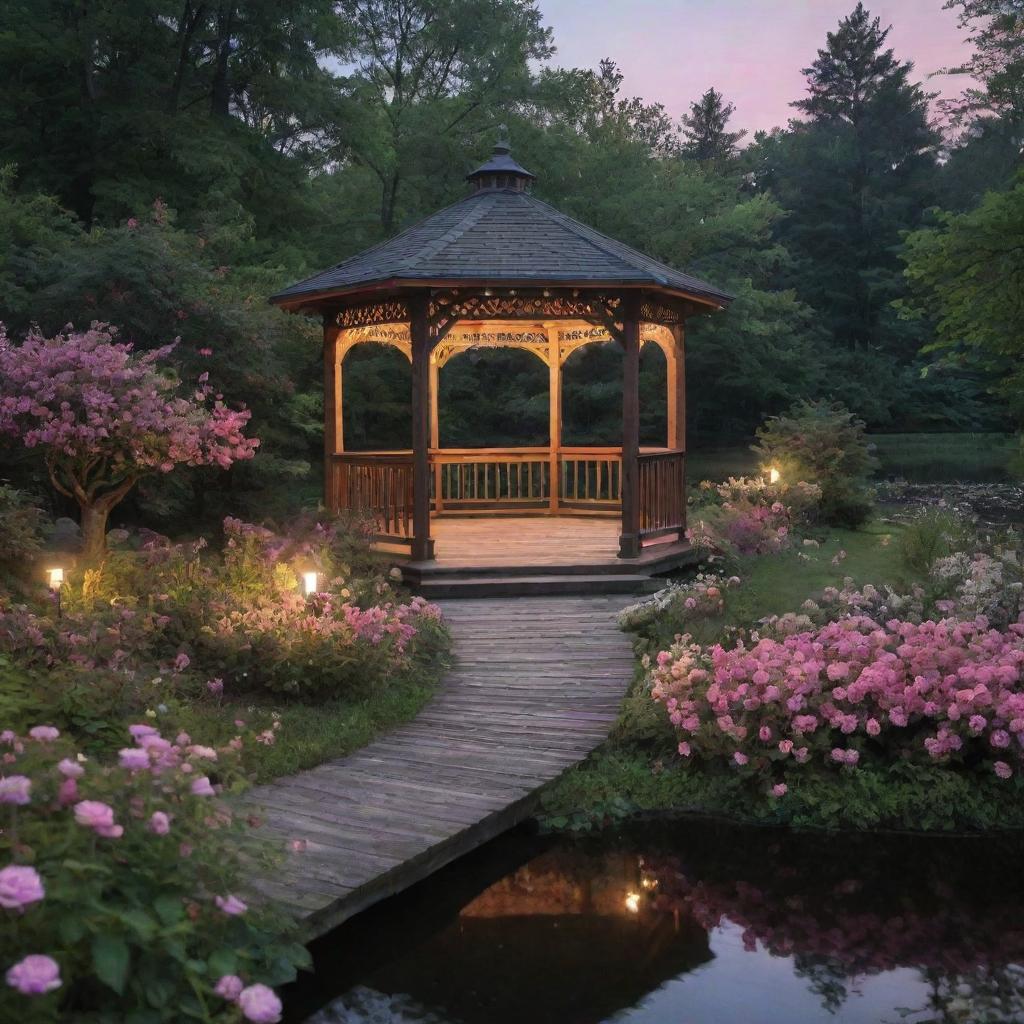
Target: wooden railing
[377,484]
[590,478]
[465,478]
[380,484]
[662,478]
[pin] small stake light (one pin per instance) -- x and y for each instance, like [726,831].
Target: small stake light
[309,583]
[55,580]
[633,902]
[773,475]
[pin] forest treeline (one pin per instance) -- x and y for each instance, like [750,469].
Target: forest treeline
[167,164]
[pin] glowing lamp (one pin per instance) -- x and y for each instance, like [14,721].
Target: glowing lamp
[633,902]
[55,578]
[309,581]
[773,475]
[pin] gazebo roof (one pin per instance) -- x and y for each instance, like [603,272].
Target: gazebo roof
[499,235]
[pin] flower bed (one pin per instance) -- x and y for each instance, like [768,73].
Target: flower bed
[854,689]
[120,886]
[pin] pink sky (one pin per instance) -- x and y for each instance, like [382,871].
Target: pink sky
[670,51]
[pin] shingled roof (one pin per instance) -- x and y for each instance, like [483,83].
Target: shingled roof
[500,235]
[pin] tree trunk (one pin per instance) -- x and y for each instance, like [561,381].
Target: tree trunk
[94,532]
[220,95]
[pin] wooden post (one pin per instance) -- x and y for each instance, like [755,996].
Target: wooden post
[629,540]
[676,396]
[677,409]
[555,417]
[435,430]
[333,436]
[419,331]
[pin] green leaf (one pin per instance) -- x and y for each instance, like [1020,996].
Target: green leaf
[223,961]
[140,922]
[110,960]
[169,909]
[71,930]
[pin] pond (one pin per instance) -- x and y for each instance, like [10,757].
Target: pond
[689,922]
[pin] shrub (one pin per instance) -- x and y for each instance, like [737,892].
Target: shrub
[930,534]
[823,443]
[939,692]
[121,884]
[675,608]
[21,537]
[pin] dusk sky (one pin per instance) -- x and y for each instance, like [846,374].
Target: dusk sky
[670,51]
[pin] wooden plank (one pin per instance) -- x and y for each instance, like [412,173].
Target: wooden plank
[508,719]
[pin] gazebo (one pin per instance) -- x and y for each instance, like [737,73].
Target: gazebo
[501,268]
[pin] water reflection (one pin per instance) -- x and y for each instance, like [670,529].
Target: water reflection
[694,923]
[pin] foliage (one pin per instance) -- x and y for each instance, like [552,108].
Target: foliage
[931,534]
[824,444]
[104,417]
[704,129]
[127,878]
[965,275]
[21,535]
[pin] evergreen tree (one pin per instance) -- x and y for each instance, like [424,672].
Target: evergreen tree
[704,129]
[856,173]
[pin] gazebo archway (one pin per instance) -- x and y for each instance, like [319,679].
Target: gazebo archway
[501,269]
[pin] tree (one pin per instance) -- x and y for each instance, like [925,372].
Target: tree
[428,74]
[967,278]
[704,129]
[105,417]
[855,174]
[997,32]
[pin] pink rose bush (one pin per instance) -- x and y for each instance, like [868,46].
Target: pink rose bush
[851,691]
[125,901]
[165,620]
[750,516]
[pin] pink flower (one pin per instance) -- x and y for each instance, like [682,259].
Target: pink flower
[133,758]
[68,792]
[35,975]
[786,746]
[182,662]
[205,753]
[229,987]
[764,734]
[140,729]
[19,886]
[1002,769]
[801,754]
[215,686]
[99,817]
[779,789]
[231,905]
[70,769]
[159,823]
[999,738]
[976,723]
[44,733]
[15,789]
[740,758]
[259,1004]
[201,787]
[684,749]
[873,727]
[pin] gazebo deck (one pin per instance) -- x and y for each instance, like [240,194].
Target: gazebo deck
[508,554]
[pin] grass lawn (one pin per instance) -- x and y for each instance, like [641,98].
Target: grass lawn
[310,734]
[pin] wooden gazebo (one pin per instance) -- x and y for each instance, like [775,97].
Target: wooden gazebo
[500,268]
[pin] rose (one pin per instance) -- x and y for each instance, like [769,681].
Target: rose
[15,789]
[20,885]
[260,1005]
[99,817]
[231,905]
[35,975]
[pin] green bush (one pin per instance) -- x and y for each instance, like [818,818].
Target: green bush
[933,533]
[21,538]
[822,443]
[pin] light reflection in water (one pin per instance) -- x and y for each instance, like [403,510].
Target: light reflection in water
[695,924]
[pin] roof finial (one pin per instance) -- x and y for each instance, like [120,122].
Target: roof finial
[501,171]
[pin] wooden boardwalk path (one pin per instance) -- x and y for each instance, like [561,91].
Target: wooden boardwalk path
[536,685]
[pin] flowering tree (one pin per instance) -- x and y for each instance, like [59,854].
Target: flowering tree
[106,416]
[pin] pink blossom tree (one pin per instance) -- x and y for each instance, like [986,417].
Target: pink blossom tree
[105,416]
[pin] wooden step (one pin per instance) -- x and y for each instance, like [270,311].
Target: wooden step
[436,587]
